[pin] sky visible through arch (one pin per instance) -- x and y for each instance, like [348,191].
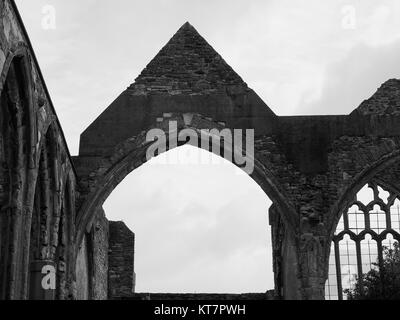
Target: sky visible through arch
[199,227]
[313,57]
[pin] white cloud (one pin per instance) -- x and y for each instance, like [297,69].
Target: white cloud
[355,78]
[188,236]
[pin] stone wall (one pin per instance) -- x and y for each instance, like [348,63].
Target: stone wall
[92,261]
[100,257]
[82,272]
[187,64]
[35,169]
[121,273]
[385,102]
[10,31]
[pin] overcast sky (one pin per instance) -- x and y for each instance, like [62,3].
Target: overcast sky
[204,228]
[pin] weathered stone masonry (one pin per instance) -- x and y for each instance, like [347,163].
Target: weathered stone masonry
[121,274]
[51,213]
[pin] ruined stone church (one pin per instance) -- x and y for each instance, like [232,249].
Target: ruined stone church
[311,167]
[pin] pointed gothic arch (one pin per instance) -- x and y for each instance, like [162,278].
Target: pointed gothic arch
[17,156]
[370,238]
[131,154]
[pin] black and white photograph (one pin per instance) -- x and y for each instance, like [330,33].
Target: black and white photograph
[200,158]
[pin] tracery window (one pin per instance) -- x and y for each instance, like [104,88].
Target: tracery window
[370,223]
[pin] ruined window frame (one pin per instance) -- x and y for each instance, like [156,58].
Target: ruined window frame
[380,236]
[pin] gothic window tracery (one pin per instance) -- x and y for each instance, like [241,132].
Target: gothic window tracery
[370,223]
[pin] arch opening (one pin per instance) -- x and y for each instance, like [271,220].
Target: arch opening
[50,226]
[44,224]
[133,153]
[200,223]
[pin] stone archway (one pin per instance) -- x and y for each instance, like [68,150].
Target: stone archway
[132,153]
[371,171]
[306,165]
[383,171]
[18,159]
[52,222]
